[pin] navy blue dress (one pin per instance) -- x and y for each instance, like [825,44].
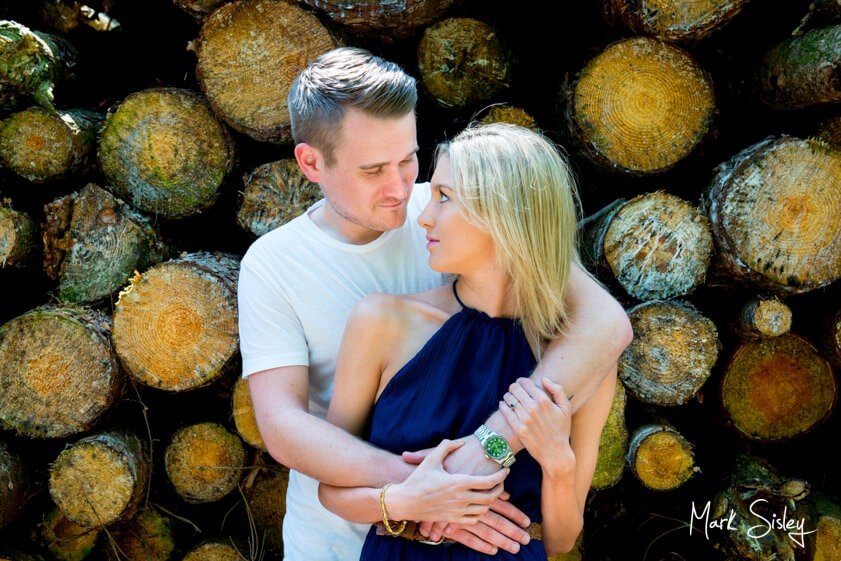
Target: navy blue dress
[447,390]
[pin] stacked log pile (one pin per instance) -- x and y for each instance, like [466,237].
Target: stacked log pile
[145,145]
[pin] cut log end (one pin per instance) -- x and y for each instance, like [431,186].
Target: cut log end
[17,237]
[65,540]
[661,458]
[777,388]
[267,501]
[511,115]
[676,19]
[243,412]
[764,317]
[642,106]
[147,537]
[204,462]
[214,552]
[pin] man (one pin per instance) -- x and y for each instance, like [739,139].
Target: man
[354,126]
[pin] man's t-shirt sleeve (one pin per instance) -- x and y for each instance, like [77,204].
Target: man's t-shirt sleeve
[270,332]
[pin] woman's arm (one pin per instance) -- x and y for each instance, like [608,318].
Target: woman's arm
[566,446]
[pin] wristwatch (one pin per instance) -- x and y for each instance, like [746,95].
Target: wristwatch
[496,447]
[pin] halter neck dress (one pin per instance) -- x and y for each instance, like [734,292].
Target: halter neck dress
[449,388]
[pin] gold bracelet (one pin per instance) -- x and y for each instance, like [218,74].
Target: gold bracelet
[391,531]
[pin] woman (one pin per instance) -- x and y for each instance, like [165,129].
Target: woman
[416,369]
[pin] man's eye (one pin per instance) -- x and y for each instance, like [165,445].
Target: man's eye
[374,173]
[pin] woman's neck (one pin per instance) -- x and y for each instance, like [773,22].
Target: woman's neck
[488,292]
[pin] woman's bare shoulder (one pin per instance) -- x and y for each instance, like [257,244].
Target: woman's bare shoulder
[379,309]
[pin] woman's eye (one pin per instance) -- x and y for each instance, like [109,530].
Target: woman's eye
[444,198]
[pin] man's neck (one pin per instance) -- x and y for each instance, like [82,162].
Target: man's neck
[337,227]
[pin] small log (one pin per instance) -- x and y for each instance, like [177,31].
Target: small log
[672,354]
[463,63]
[802,71]
[660,457]
[278,40]
[511,115]
[14,491]
[93,242]
[31,63]
[774,211]
[41,145]
[831,132]
[164,152]
[613,445]
[776,389]
[640,107]
[656,246]
[274,194]
[199,9]
[17,236]
[100,479]
[266,498]
[175,326]
[673,20]
[146,537]
[243,413]
[222,550]
[383,19]
[58,371]
[763,317]
[65,540]
[204,462]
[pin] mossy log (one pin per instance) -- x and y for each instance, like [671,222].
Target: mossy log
[243,413]
[763,317]
[146,537]
[613,444]
[660,457]
[672,354]
[755,489]
[58,371]
[42,145]
[512,115]
[164,152]
[776,389]
[656,245]
[93,243]
[17,236]
[266,497]
[14,491]
[220,550]
[175,325]
[830,132]
[204,462]
[249,52]
[65,540]
[31,63]
[775,212]
[65,16]
[463,63]
[101,478]
[673,20]
[802,71]
[640,106]
[274,194]
[384,19]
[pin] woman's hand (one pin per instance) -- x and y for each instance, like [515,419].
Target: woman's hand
[432,494]
[542,424]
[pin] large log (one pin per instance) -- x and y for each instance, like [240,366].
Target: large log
[204,462]
[17,236]
[175,325]
[100,479]
[93,242]
[802,71]
[672,354]
[673,20]
[463,63]
[58,371]
[146,537]
[656,245]
[660,457]
[243,413]
[249,52]
[613,444]
[14,491]
[163,151]
[645,120]
[384,19]
[775,212]
[274,194]
[41,145]
[65,540]
[776,389]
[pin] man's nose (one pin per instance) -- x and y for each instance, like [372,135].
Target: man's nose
[395,187]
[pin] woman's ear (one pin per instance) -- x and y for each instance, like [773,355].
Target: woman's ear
[310,161]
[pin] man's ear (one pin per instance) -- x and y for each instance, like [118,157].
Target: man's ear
[310,161]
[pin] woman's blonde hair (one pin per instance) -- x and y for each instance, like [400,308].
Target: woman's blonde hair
[515,184]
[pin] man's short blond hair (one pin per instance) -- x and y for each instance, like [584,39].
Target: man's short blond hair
[342,78]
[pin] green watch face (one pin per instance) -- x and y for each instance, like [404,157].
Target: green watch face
[496,447]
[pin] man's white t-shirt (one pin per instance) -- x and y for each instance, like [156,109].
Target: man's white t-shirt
[297,286]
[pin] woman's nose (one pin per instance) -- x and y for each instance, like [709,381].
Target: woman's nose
[426,220]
